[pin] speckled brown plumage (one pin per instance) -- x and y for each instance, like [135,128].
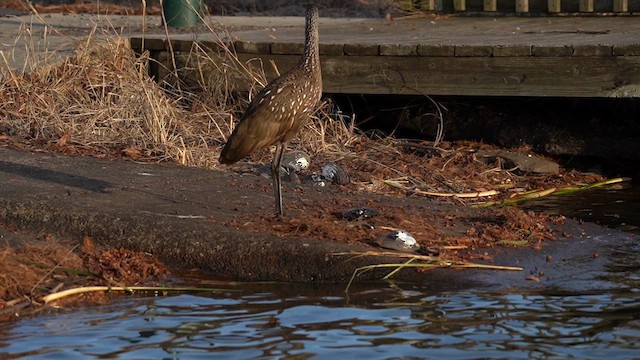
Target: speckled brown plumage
[279,110]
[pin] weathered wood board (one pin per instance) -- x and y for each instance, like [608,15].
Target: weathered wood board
[564,57]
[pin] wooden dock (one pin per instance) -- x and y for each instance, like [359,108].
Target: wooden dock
[592,56]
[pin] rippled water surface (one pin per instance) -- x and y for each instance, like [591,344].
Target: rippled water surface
[376,320]
[387,322]
[615,208]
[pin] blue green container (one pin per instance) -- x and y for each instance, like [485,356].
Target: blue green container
[180,13]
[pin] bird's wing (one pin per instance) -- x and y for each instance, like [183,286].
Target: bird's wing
[265,122]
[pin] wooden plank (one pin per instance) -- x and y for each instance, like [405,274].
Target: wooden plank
[287,48]
[506,56]
[620,6]
[626,50]
[436,50]
[592,50]
[490,5]
[211,45]
[570,76]
[522,6]
[586,6]
[361,49]
[331,49]
[428,5]
[181,45]
[476,76]
[398,50]
[512,50]
[249,47]
[552,51]
[554,6]
[162,69]
[154,44]
[473,50]
[459,5]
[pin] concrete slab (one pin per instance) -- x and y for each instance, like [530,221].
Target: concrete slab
[29,39]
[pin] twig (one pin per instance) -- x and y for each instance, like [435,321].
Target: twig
[55,296]
[389,275]
[396,184]
[412,264]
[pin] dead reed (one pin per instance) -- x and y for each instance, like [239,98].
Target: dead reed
[101,98]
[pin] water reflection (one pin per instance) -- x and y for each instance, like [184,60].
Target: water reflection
[373,322]
[615,207]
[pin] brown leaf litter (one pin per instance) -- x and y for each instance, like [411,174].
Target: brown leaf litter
[37,267]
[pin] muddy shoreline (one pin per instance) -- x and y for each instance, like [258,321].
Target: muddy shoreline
[178,214]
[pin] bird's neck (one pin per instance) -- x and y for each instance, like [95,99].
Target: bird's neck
[311,56]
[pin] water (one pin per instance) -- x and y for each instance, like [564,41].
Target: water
[374,321]
[381,322]
[615,207]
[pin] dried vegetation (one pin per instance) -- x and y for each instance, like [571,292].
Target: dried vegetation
[44,265]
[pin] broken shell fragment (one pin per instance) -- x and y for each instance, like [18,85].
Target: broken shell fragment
[318,180]
[359,213]
[296,161]
[335,173]
[398,240]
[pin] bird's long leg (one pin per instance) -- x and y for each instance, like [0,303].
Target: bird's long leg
[275,173]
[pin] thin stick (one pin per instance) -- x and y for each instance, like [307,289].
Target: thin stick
[398,269]
[394,183]
[55,296]
[442,264]
[425,257]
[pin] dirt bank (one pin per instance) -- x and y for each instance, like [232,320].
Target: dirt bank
[35,265]
[221,222]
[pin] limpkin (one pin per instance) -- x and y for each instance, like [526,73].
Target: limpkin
[279,110]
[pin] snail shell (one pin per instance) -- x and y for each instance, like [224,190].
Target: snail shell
[398,240]
[318,180]
[335,173]
[296,161]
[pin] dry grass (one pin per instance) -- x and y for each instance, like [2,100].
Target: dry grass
[100,99]
[23,268]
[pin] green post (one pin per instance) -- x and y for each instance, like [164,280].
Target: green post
[179,13]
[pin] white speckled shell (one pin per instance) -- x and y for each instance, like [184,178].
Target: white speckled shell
[398,240]
[296,161]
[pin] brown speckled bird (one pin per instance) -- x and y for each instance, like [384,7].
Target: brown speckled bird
[280,109]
